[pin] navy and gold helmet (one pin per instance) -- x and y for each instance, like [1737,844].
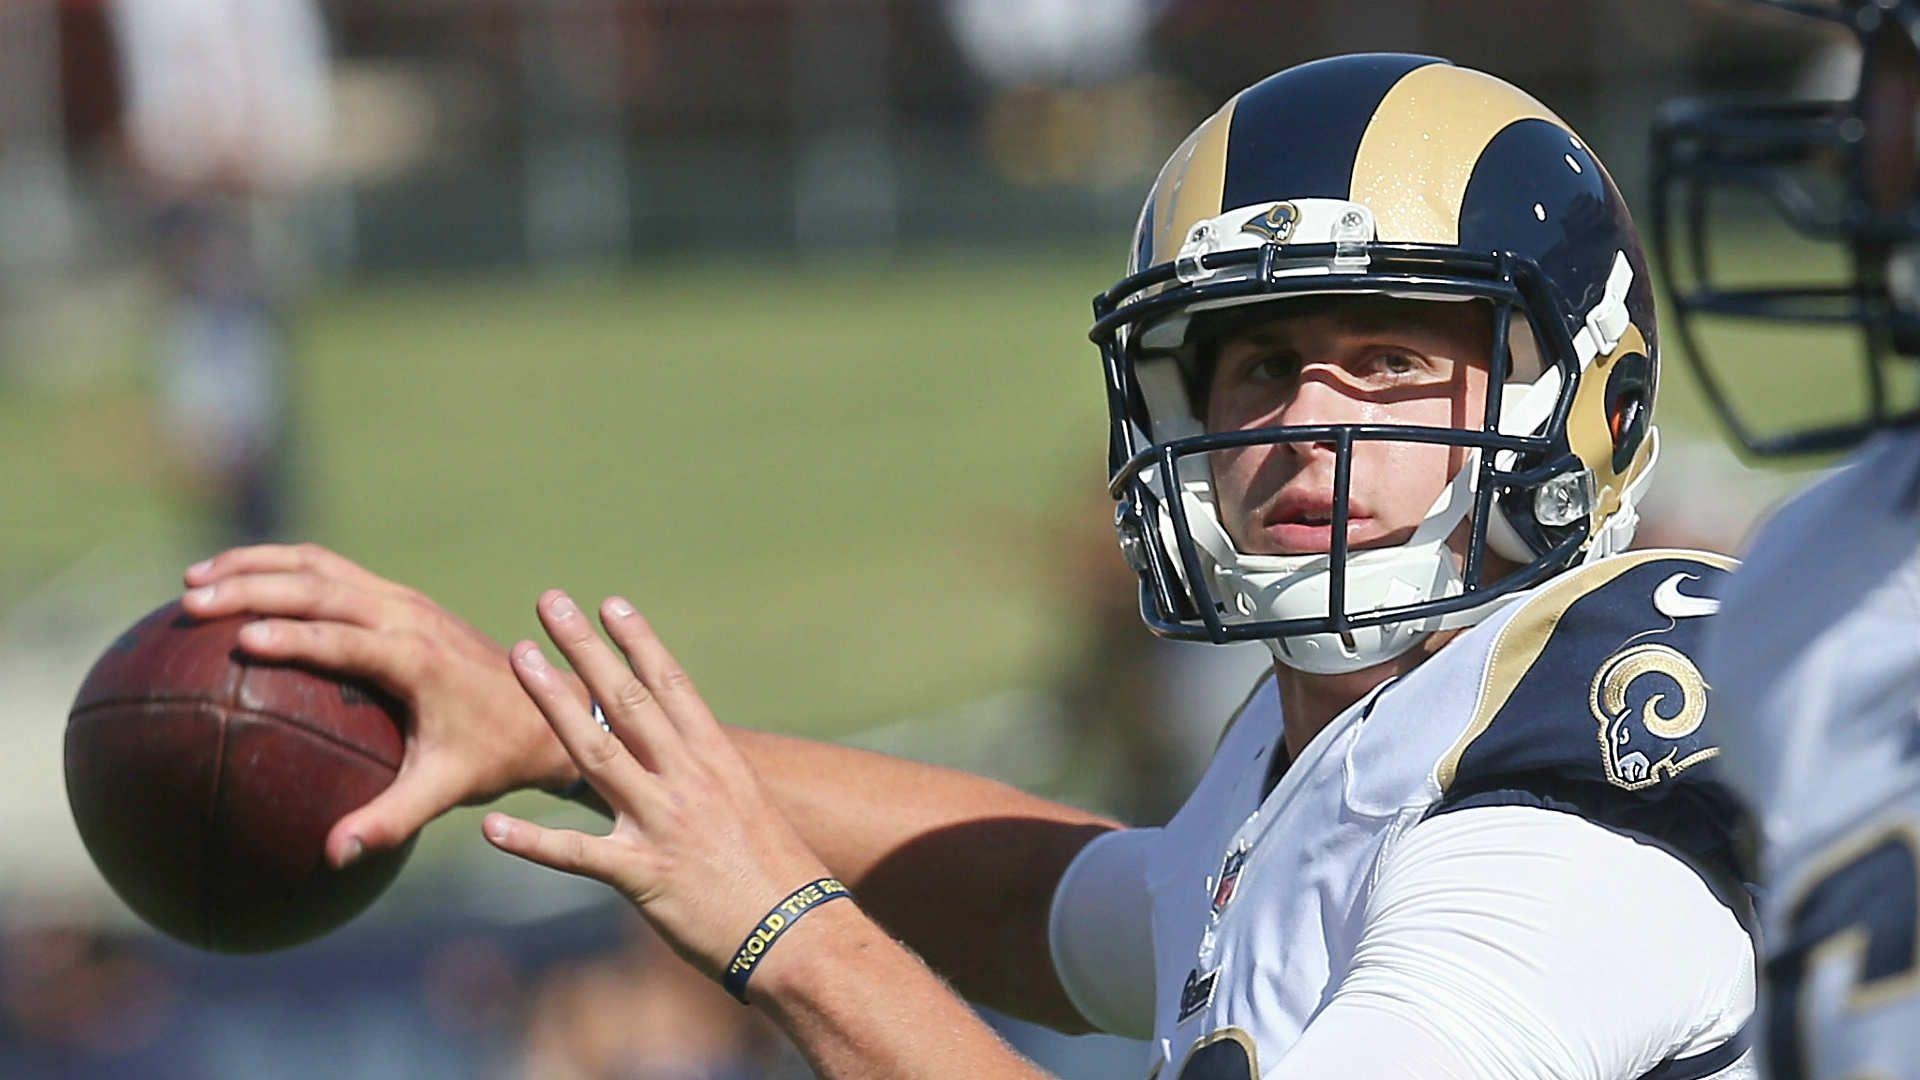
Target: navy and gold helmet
[1777,222]
[1400,176]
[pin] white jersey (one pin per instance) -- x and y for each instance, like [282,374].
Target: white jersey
[1581,698]
[1817,662]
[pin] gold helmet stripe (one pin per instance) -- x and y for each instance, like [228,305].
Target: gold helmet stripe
[1190,184]
[1419,150]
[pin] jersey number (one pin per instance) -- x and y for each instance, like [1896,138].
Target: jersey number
[1866,908]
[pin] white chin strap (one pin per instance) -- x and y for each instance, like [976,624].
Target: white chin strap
[1264,587]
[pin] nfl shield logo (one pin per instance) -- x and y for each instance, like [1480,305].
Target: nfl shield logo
[1229,877]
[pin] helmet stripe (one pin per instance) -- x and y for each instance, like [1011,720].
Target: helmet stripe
[1188,190]
[1413,164]
[1279,151]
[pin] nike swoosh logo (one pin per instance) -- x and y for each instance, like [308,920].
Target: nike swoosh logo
[1668,600]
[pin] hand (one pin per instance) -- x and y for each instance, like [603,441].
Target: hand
[472,737]
[696,845]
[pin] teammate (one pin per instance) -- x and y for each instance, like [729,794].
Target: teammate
[1815,661]
[1381,383]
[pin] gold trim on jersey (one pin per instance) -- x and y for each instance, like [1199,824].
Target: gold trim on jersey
[1419,150]
[1227,1034]
[1526,634]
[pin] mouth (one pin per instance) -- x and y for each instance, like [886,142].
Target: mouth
[1304,526]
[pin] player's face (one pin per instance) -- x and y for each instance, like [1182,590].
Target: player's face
[1344,360]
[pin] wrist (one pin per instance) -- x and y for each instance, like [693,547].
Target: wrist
[811,953]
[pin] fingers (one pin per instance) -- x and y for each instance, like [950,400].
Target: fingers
[334,646]
[658,670]
[418,795]
[293,594]
[281,558]
[560,849]
[630,706]
[600,754]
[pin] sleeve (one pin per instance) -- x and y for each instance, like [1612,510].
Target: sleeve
[1100,930]
[1517,941]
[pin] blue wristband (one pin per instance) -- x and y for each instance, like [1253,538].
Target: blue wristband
[783,915]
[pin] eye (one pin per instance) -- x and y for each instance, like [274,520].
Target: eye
[1396,363]
[1273,367]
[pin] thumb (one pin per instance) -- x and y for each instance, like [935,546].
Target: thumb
[416,796]
[566,850]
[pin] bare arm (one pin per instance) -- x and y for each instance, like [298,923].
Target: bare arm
[859,1005]
[700,850]
[960,867]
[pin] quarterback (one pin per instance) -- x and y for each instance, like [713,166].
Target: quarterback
[1381,376]
[1816,659]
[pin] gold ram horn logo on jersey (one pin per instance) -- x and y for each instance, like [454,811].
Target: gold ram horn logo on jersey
[1276,224]
[1650,700]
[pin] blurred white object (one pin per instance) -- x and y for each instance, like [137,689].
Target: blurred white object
[225,91]
[1052,41]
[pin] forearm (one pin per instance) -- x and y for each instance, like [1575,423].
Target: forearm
[960,867]
[858,1004]
[697,845]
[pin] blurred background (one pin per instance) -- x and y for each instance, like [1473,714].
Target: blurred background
[766,313]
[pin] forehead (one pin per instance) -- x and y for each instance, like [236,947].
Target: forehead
[1389,315]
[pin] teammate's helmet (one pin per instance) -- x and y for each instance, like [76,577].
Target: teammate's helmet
[1402,176]
[1804,212]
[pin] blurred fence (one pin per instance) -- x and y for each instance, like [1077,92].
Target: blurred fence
[545,132]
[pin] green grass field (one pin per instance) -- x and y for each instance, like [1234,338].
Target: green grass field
[837,490]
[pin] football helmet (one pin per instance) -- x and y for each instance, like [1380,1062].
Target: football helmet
[1398,176]
[1800,213]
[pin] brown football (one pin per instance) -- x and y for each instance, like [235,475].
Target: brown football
[204,785]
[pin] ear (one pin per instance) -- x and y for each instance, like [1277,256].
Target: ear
[1629,406]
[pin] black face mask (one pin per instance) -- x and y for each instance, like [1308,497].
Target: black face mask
[1778,223]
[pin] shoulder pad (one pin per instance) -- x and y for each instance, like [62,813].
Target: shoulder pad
[1593,680]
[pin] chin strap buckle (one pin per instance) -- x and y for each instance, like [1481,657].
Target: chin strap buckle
[1607,323]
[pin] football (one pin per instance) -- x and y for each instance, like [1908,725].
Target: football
[204,785]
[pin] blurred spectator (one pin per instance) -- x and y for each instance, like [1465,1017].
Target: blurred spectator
[643,1014]
[1142,714]
[226,115]
[75,1000]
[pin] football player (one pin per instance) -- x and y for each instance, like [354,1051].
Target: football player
[1381,377]
[1815,660]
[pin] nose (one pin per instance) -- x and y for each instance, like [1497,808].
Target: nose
[1319,398]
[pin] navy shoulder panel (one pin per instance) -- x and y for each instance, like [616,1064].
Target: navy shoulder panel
[1592,702]
[1595,677]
